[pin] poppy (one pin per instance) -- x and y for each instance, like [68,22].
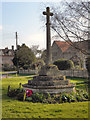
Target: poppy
[28,92]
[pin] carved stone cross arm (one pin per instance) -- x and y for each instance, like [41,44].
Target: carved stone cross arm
[48,14]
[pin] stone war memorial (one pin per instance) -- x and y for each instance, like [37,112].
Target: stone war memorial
[49,79]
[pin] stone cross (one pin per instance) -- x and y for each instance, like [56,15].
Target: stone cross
[48,37]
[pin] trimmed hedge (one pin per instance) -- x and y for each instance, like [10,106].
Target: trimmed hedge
[64,64]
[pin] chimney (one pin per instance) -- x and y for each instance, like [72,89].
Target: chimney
[6,49]
[12,47]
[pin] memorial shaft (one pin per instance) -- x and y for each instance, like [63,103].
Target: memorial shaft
[48,36]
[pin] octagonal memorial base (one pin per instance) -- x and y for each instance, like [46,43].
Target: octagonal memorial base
[50,90]
[49,84]
[50,81]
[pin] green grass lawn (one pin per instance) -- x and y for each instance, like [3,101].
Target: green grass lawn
[80,82]
[12,108]
[77,80]
[3,72]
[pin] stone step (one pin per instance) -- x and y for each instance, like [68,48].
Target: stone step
[48,83]
[49,87]
[49,78]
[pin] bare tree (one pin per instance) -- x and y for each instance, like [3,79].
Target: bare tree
[37,52]
[34,48]
[71,23]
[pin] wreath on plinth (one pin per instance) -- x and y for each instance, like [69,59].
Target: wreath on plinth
[28,92]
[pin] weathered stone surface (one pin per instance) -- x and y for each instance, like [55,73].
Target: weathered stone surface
[49,78]
[49,70]
[49,84]
[51,90]
[50,87]
[49,81]
[48,35]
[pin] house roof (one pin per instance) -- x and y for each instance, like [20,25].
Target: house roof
[62,45]
[6,51]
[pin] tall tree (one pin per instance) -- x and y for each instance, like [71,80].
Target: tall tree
[23,57]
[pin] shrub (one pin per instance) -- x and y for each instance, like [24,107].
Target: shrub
[77,67]
[61,99]
[37,97]
[85,95]
[57,99]
[64,98]
[49,100]
[42,98]
[67,97]
[81,95]
[13,92]
[63,64]
[25,67]
[7,67]
[20,96]
[39,63]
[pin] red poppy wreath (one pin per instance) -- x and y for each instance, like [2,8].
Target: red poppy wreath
[28,92]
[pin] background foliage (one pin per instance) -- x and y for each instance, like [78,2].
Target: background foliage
[24,57]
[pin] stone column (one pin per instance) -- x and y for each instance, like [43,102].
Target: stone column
[48,36]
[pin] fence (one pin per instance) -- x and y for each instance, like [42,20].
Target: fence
[6,74]
[28,71]
[75,73]
[70,73]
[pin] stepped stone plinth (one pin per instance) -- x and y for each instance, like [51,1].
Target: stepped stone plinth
[49,81]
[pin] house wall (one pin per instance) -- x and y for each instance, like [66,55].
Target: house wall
[56,52]
[68,54]
[6,56]
[7,60]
